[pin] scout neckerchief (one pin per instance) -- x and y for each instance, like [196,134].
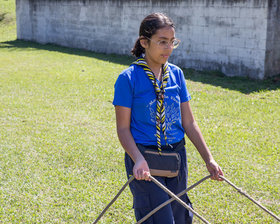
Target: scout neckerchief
[159,90]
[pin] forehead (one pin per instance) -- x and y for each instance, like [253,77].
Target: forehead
[166,32]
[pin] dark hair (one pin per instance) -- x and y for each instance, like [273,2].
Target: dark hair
[148,28]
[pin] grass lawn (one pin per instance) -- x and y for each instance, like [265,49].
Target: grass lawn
[61,161]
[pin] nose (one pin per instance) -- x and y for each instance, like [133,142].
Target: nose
[169,45]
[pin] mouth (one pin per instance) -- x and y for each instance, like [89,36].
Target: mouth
[165,55]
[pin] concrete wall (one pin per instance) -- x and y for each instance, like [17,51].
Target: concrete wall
[272,60]
[226,35]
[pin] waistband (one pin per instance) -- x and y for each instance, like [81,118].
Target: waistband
[175,146]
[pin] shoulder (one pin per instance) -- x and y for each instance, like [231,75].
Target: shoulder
[128,77]
[130,72]
[176,73]
[175,69]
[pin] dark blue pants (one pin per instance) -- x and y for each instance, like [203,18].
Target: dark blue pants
[147,195]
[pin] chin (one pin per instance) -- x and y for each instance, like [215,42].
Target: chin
[163,61]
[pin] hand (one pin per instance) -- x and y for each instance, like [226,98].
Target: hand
[214,170]
[141,170]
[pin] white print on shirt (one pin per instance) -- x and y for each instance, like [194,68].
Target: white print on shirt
[172,114]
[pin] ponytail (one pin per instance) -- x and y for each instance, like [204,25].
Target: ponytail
[137,49]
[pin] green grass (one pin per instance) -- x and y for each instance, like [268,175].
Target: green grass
[60,159]
[7,20]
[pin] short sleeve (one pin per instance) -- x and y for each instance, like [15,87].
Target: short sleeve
[123,91]
[184,93]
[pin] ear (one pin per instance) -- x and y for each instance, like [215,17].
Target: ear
[144,42]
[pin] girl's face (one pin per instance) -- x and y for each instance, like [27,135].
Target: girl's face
[159,48]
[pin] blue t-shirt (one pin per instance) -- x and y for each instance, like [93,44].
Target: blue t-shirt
[133,89]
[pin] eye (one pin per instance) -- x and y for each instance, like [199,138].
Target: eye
[163,43]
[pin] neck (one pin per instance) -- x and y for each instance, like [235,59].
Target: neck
[155,67]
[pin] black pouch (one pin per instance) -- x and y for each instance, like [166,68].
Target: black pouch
[164,164]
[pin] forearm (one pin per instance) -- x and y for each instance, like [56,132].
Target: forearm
[140,168]
[194,134]
[128,144]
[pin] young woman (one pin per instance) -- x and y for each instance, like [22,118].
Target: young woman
[153,110]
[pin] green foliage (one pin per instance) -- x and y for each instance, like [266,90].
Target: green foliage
[60,159]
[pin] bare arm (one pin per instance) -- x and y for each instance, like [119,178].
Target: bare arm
[140,169]
[194,134]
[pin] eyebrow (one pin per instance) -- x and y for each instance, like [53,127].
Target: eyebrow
[165,38]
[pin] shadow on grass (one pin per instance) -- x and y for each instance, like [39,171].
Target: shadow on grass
[2,16]
[6,18]
[114,58]
[215,78]
[241,84]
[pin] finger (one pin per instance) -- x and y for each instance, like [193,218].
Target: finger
[215,174]
[220,174]
[216,177]
[212,175]
[140,174]
[147,176]
[136,176]
[144,175]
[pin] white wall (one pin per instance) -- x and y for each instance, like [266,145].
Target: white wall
[225,35]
